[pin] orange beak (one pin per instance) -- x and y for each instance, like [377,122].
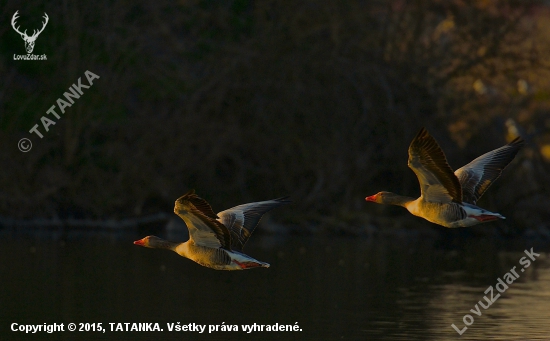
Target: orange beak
[139,242]
[371,198]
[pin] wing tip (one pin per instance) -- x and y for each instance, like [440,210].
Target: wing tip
[518,142]
[188,194]
[423,139]
[284,200]
[423,133]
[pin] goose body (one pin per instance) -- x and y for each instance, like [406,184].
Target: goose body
[449,198]
[216,240]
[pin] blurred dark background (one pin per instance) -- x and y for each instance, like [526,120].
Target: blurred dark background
[251,100]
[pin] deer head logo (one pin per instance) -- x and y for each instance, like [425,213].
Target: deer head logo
[29,40]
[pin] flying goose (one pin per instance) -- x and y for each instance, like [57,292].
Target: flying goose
[216,240]
[447,198]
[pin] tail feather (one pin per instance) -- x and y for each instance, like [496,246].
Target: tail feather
[488,217]
[245,261]
[251,264]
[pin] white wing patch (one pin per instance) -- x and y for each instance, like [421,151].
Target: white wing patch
[432,190]
[436,193]
[199,232]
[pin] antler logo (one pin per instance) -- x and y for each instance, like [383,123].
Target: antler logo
[29,40]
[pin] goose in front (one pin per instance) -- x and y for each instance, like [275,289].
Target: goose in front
[216,240]
[447,198]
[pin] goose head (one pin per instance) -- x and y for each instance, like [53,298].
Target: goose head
[388,198]
[152,242]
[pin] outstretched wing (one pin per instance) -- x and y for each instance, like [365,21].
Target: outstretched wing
[437,181]
[201,221]
[242,220]
[478,175]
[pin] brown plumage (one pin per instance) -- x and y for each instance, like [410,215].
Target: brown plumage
[216,240]
[429,163]
[448,198]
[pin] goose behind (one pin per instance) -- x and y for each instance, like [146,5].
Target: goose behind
[216,240]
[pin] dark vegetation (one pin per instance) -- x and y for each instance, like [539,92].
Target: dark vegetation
[250,100]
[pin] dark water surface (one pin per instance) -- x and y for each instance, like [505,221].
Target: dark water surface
[382,288]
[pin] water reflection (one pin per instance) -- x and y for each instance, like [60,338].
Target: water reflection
[384,288]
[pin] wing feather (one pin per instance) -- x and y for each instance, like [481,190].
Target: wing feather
[201,221]
[437,181]
[199,203]
[242,220]
[477,176]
